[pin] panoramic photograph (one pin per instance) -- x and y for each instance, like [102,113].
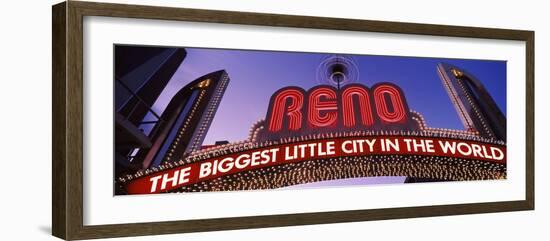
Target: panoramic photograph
[198,119]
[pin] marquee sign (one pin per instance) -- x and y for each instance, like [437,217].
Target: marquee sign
[256,158]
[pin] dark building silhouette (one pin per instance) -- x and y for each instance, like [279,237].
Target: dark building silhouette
[475,106]
[141,74]
[185,121]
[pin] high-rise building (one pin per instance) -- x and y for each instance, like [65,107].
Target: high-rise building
[475,106]
[140,76]
[185,120]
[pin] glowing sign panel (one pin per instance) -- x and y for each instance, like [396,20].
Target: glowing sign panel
[324,106]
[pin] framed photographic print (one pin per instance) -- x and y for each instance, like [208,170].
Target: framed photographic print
[171,120]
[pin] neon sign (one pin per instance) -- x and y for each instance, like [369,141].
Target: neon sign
[355,105]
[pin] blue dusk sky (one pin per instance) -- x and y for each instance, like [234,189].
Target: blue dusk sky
[256,75]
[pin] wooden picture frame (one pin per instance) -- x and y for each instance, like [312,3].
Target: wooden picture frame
[67,76]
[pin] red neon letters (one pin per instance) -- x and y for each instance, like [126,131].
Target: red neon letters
[323,106]
[397,114]
[293,111]
[348,107]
